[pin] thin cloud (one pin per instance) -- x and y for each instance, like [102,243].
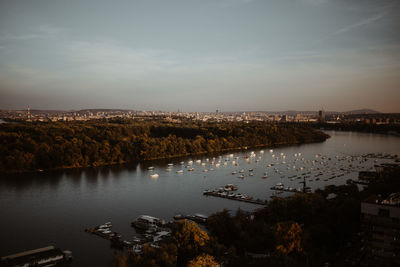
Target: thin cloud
[360,23]
[22,37]
[42,32]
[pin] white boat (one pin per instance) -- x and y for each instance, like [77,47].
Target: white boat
[170,164]
[180,171]
[150,168]
[154,175]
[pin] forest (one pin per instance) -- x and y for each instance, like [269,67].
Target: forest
[30,146]
[360,127]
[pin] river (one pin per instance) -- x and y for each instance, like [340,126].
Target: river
[54,207]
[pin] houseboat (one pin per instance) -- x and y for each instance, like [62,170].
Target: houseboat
[146,222]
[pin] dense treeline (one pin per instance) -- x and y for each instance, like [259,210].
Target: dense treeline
[300,230]
[361,127]
[32,146]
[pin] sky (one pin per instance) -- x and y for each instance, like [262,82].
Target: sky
[200,55]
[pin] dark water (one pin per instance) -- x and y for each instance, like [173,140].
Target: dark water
[46,208]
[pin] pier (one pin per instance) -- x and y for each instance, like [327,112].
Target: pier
[115,238]
[248,200]
[104,231]
[151,238]
[292,190]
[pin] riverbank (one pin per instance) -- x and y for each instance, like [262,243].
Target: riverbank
[49,146]
[387,129]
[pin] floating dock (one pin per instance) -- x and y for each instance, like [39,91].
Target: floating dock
[136,245]
[104,231]
[252,201]
[293,190]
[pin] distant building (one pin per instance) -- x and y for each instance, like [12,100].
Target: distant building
[381,220]
[321,115]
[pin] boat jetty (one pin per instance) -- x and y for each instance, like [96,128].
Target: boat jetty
[104,231]
[149,232]
[281,187]
[226,192]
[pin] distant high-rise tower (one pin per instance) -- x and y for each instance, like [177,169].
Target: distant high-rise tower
[321,115]
[216,112]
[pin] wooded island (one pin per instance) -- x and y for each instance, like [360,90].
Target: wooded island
[29,146]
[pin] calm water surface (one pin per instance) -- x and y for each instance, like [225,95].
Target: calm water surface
[46,208]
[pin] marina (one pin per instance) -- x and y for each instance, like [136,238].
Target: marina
[149,233]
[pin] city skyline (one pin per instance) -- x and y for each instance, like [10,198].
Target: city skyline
[234,55]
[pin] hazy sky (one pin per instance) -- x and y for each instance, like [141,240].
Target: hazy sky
[200,55]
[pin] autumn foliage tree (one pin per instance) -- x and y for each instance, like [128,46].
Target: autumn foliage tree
[203,260]
[288,237]
[189,240]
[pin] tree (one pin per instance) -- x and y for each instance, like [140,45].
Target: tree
[288,237]
[204,260]
[189,240]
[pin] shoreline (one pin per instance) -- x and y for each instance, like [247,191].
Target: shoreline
[244,148]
